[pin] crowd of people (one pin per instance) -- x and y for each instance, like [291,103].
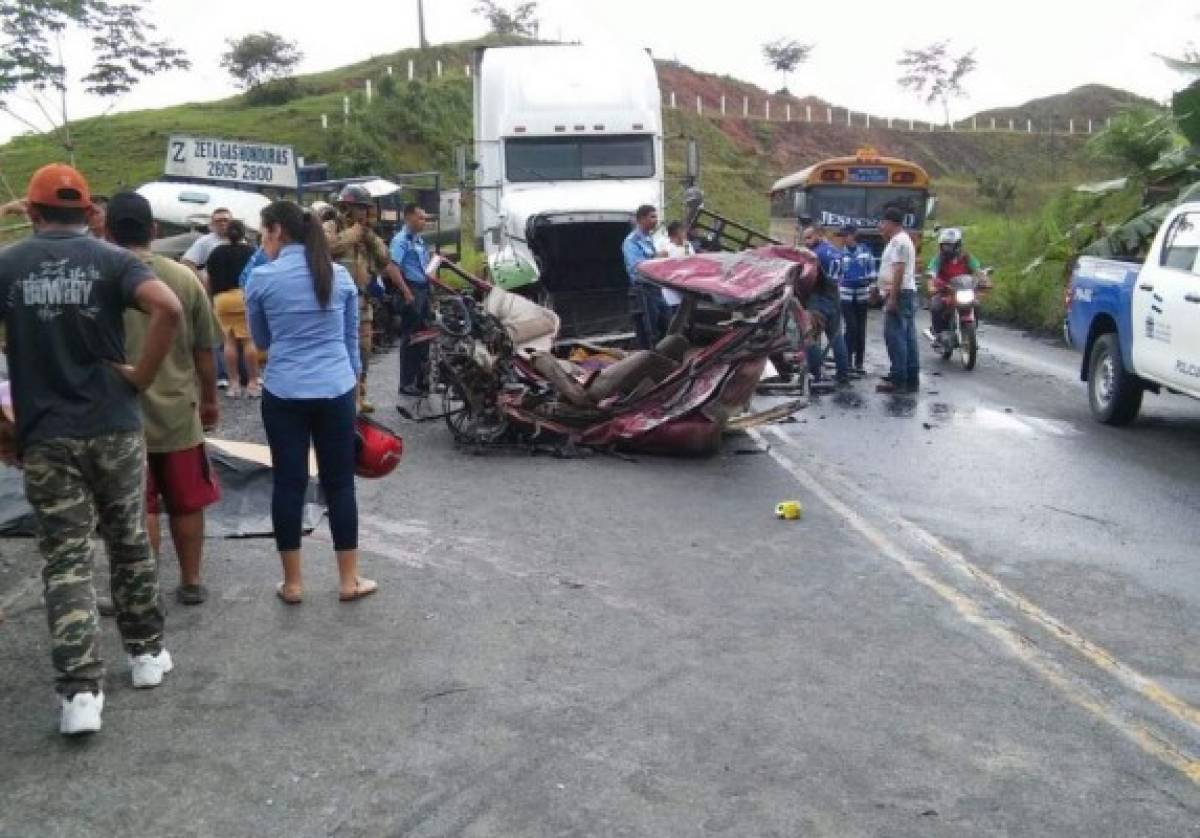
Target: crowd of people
[115,356]
[847,285]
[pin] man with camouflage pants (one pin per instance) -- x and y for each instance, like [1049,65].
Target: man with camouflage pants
[78,432]
[365,256]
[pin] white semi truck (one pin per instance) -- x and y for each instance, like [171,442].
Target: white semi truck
[568,144]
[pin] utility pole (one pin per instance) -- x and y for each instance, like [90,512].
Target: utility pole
[421,23]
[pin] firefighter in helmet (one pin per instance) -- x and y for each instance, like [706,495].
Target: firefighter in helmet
[365,255]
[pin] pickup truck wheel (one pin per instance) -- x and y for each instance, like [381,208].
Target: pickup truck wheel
[1115,395]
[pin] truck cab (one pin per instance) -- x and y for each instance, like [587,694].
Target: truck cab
[1139,326]
[568,144]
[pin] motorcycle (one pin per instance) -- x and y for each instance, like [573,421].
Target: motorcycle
[961,298]
[502,377]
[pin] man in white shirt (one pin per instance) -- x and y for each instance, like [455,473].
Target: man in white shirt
[898,287]
[677,247]
[196,256]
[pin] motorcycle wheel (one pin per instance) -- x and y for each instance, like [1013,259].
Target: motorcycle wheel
[457,413]
[968,350]
[467,425]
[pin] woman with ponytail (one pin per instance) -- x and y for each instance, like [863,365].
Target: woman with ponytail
[304,310]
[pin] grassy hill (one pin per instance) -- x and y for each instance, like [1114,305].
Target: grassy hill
[1091,101]
[416,126]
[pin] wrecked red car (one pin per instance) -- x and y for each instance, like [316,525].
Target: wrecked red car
[502,377]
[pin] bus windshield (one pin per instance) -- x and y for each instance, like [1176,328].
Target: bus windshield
[531,159]
[833,206]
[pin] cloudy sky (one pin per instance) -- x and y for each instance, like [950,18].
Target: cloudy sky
[1025,48]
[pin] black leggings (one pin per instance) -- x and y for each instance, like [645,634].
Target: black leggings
[855,317]
[329,424]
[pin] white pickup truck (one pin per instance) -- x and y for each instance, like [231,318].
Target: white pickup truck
[1139,325]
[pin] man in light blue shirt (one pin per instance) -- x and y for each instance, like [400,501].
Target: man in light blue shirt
[411,254]
[646,304]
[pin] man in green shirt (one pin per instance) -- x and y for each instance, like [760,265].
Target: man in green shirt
[181,403]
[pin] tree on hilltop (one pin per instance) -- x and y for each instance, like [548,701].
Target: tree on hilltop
[785,55]
[34,73]
[255,59]
[522,20]
[935,75]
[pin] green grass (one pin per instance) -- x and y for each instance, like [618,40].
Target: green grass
[1032,253]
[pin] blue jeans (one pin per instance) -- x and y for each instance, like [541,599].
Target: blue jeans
[291,424]
[830,310]
[900,334]
[854,313]
[414,358]
[649,312]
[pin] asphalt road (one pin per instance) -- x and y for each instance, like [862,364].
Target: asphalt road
[983,625]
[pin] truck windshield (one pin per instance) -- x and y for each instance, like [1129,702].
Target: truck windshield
[863,206]
[529,159]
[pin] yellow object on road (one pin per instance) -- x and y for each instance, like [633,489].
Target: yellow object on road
[789,510]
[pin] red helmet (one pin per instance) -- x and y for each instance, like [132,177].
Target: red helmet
[377,451]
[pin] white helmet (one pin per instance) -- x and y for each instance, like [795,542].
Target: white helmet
[950,235]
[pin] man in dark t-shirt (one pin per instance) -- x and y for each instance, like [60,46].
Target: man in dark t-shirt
[78,434]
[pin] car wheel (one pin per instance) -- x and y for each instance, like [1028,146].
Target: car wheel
[1115,394]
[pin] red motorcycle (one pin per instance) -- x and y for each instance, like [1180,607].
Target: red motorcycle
[960,296]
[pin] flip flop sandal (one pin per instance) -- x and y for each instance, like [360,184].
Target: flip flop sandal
[191,594]
[290,599]
[360,590]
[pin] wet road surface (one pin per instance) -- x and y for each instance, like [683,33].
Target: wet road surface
[983,625]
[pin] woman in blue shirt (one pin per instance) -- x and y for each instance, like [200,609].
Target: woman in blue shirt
[304,310]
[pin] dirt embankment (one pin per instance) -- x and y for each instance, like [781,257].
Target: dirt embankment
[789,146]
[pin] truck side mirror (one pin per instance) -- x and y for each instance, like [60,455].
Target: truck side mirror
[800,205]
[693,161]
[930,207]
[693,201]
[460,163]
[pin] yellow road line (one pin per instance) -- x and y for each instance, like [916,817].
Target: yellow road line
[1147,738]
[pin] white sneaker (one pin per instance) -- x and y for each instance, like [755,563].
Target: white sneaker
[148,670]
[81,714]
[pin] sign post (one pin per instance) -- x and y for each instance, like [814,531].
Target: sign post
[232,161]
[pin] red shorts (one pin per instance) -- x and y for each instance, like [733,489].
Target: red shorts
[183,479]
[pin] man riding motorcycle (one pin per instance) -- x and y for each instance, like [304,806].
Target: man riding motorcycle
[951,261]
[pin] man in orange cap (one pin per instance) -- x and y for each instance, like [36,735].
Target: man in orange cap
[78,433]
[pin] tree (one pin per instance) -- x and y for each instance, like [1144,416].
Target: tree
[785,55]
[935,75]
[1186,102]
[998,190]
[259,57]
[522,20]
[1137,138]
[34,69]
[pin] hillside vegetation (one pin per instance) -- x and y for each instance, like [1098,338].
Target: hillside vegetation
[416,127]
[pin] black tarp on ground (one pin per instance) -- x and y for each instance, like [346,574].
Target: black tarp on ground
[244,510]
